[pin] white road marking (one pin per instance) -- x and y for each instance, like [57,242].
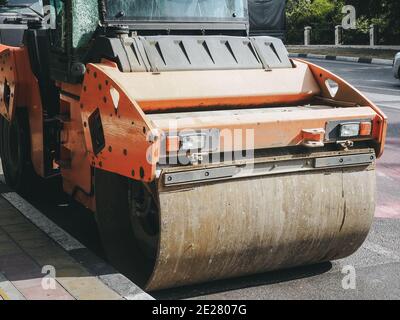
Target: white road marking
[383,97]
[389,107]
[383,89]
[380,81]
[384,100]
[385,176]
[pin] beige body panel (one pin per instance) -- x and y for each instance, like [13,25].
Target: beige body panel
[159,91]
[254,225]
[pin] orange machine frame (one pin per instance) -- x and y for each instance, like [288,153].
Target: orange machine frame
[132,138]
[348,93]
[24,93]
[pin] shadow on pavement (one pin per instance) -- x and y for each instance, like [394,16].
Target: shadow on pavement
[244,282]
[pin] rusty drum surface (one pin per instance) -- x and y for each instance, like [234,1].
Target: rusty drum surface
[235,228]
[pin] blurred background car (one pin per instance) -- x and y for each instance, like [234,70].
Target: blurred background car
[396,67]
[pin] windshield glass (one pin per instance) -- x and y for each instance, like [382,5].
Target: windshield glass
[18,2]
[176,10]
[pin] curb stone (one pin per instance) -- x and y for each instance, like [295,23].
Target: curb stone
[383,62]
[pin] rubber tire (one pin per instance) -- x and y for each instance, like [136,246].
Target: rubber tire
[15,153]
[115,228]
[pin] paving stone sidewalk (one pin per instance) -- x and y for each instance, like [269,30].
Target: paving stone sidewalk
[28,258]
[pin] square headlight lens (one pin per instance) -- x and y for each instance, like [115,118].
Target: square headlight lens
[194,142]
[349,130]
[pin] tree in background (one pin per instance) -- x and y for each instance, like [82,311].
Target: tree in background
[321,15]
[324,15]
[383,13]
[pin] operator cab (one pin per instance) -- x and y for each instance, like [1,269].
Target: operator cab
[78,27]
[156,35]
[215,16]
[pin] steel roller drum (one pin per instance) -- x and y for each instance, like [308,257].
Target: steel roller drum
[241,227]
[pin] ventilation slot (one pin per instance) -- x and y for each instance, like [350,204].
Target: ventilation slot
[268,44]
[136,54]
[205,46]
[157,46]
[251,48]
[182,46]
[228,46]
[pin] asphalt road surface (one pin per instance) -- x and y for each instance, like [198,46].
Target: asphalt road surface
[375,268]
[378,83]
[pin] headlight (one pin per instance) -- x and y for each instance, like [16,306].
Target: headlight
[193,142]
[349,130]
[203,141]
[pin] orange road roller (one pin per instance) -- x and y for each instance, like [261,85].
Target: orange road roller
[203,153]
